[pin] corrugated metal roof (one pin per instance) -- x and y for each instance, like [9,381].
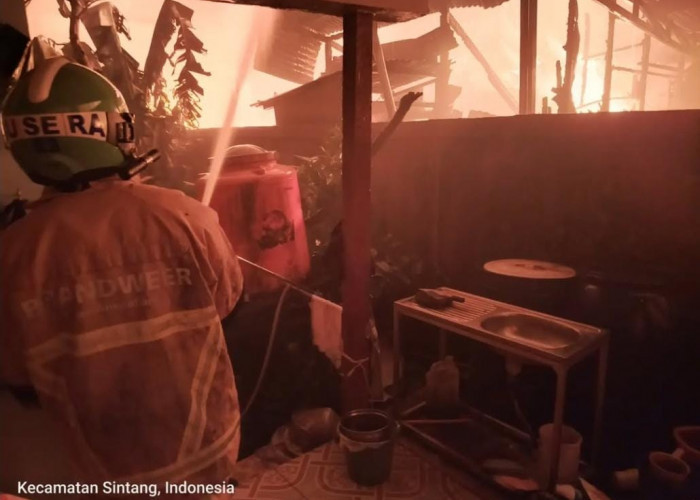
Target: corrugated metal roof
[438,5]
[295,43]
[401,73]
[299,35]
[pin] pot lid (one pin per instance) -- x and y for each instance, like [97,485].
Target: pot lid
[247,153]
[533,269]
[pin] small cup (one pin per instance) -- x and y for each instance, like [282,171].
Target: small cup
[668,469]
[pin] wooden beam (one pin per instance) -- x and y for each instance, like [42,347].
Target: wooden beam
[383,74]
[646,51]
[609,50]
[328,53]
[617,49]
[442,82]
[492,75]
[662,29]
[357,146]
[639,71]
[528,56]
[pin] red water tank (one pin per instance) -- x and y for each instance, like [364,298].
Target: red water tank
[259,207]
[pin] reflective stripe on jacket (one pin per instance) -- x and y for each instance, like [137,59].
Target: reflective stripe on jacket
[111,306]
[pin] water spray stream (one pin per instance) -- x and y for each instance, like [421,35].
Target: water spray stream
[226,131]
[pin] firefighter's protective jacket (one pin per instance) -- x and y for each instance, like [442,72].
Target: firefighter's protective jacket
[111,306]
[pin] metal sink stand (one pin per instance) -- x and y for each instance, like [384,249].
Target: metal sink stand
[461,319]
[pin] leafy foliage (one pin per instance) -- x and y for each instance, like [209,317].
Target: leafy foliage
[174,17]
[321,186]
[163,115]
[397,270]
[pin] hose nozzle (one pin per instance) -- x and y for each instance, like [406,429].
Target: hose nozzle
[141,163]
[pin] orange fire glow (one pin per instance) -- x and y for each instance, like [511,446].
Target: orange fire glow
[496,31]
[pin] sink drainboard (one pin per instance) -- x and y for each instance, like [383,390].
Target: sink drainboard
[467,311]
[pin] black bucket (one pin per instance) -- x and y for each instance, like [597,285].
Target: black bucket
[368,436]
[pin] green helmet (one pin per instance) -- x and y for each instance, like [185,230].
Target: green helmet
[66,124]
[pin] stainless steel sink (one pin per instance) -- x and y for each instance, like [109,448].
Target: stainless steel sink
[533,330]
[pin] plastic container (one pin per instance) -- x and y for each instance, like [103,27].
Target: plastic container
[569,454]
[667,469]
[442,386]
[688,440]
[259,207]
[367,438]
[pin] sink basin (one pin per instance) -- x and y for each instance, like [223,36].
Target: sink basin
[538,332]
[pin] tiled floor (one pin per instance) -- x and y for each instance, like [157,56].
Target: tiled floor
[321,474]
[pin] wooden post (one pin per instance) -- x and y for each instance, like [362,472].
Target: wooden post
[586,56]
[528,55]
[609,49]
[357,145]
[442,82]
[646,51]
[675,85]
[564,95]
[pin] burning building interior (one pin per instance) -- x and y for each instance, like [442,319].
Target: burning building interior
[342,249]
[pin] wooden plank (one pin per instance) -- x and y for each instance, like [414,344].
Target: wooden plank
[357,145]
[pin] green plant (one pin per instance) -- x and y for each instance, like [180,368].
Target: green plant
[321,186]
[163,114]
[397,269]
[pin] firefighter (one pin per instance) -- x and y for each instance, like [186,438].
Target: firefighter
[112,295]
